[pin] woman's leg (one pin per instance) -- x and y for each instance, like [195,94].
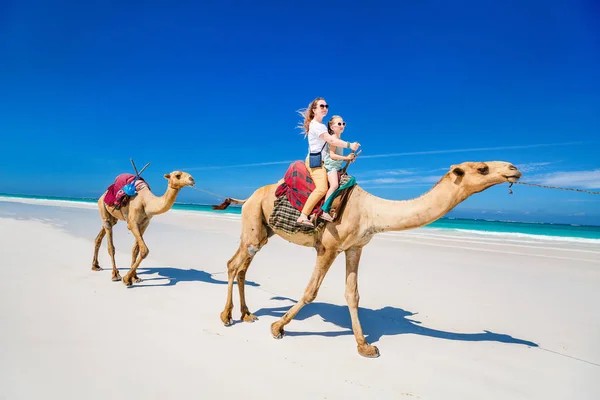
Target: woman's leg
[319,177]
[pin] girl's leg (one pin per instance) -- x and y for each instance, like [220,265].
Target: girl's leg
[333,185]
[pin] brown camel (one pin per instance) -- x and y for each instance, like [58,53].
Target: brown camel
[364,216]
[138,212]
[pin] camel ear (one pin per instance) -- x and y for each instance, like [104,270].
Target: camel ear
[457,171]
[167,176]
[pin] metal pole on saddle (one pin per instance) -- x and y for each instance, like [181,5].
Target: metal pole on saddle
[130,189]
[135,169]
[348,162]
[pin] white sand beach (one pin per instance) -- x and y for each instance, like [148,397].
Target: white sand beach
[455,316]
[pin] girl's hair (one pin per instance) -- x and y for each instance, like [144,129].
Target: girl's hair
[308,114]
[329,129]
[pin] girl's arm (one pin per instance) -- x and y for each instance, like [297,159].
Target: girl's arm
[335,156]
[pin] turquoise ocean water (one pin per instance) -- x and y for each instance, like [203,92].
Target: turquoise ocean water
[456,224]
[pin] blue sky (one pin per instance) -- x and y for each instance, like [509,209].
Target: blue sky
[205,88]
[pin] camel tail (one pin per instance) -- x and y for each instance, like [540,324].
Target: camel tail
[227,202]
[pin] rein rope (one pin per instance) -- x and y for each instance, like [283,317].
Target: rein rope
[206,191]
[548,187]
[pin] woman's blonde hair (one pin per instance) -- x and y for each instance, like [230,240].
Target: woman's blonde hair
[308,114]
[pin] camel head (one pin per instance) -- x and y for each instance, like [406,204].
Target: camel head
[474,177]
[179,179]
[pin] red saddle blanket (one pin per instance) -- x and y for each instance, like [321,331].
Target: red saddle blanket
[297,186]
[115,194]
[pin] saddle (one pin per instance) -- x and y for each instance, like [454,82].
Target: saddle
[125,186]
[292,193]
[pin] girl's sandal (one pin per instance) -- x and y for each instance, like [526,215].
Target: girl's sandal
[327,217]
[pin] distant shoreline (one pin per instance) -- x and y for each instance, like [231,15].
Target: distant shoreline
[512,230]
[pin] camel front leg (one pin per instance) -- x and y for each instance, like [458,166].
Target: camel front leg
[324,261]
[236,267]
[98,242]
[143,253]
[135,251]
[352,298]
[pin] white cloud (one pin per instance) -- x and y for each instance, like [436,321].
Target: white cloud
[576,179]
[469,150]
[395,172]
[387,180]
[534,166]
[413,153]
[413,181]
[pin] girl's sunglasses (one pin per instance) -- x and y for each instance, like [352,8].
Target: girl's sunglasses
[341,124]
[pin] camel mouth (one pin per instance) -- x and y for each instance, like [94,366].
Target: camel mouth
[512,178]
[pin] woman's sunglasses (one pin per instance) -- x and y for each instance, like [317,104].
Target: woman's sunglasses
[324,105]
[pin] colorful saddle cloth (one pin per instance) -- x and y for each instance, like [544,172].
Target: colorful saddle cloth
[118,195]
[292,195]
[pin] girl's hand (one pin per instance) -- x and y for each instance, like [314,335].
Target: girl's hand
[354,146]
[350,157]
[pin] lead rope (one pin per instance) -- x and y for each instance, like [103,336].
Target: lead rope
[549,187]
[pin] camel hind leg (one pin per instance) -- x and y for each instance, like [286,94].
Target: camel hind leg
[254,237]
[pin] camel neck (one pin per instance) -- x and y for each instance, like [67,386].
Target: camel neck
[159,205]
[390,215]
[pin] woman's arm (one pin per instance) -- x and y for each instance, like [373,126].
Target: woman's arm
[334,141]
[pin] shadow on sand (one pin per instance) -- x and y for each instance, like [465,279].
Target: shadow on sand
[174,275]
[377,323]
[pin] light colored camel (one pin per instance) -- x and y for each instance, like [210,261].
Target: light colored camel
[364,216]
[138,213]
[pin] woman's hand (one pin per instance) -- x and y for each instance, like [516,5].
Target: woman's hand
[350,157]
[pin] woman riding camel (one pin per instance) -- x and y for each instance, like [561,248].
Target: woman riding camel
[318,137]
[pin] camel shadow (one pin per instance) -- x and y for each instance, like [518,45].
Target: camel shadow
[386,321]
[175,275]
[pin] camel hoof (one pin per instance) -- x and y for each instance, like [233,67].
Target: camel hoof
[127,282]
[137,280]
[116,278]
[276,331]
[249,318]
[96,268]
[226,318]
[368,351]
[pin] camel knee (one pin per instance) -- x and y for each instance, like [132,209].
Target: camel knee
[310,296]
[352,299]
[144,251]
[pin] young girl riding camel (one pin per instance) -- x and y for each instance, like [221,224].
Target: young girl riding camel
[334,158]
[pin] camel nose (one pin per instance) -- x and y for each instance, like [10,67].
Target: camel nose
[512,167]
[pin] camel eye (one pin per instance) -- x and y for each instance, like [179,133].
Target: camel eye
[178,176]
[484,170]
